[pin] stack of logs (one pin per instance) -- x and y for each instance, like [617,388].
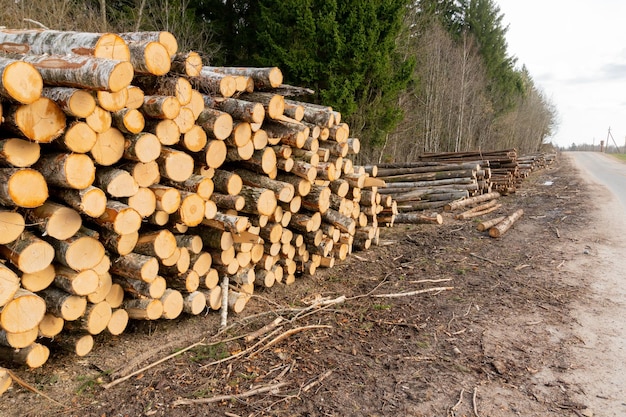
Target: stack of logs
[529,163]
[417,186]
[134,180]
[501,163]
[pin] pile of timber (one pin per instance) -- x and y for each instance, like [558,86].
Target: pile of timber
[419,186]
[137,183]
[502,165]
[529,163]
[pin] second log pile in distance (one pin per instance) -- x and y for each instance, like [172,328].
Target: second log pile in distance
[133,178]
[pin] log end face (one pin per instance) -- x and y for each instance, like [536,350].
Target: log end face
[28,188]
[157,59]
[112,46]
[22,82]
[121,77]
[80,171]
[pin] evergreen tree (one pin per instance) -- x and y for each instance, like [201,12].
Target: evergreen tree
[484,21]
[343,49]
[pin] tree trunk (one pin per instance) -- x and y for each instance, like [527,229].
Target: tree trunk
[218,124]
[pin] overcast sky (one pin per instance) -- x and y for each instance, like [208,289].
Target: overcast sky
[575,51]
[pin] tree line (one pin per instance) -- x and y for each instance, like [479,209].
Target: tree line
[410,77]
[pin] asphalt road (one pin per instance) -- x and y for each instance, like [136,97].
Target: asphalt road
[599,364]
[604,170]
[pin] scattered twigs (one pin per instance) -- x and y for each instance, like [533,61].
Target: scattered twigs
[486,259]
[152,365]
[260,390]
[243,352]
[474,403]
[410,293]
[458,403]
[268,327]
[287,334]
[421,281]
[317,381]
[29,387]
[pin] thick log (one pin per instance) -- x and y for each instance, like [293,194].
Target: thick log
[33,356]
[67,170]
[90,200]
[149,57]
[343,223]
[28,253]
[36,41]
[9,284]
[72,101]
[105,282]
[112,102]
[167,39]
[239,109]
[109,147]
[119,218]
[142,289]
[143,201]
[136,266]
[258,200]
[191,211]
[74,282]
[143,309]
[502,227]
[264,78]
[160,107]
[23,312]
[40,121]
[94,320]
[274,104]
[78,343]
[472,200]
[282,190]
[50,326]
[19,340]
[18,153]
[118,322]
[160,243]
[37,281]
[487,224]
[99,120]
[175,165]
[217,123]
[128,120]
[19,81]
[188,63]
[185,120]
[194,303]
[195,139]
[79,252]
[78,137]
[168,198]
[418,218]
[173,304]
[11,226]
[116,182]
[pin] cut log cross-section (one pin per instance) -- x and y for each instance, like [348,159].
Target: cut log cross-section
[55,220]
[23,312]
[18,153]
[28,253]
[19,81]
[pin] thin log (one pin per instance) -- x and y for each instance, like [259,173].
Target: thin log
[502,227]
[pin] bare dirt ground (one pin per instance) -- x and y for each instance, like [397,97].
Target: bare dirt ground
[505,341]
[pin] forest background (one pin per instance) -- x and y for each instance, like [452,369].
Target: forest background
[409,77]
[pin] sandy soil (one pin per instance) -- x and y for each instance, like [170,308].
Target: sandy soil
[531,327]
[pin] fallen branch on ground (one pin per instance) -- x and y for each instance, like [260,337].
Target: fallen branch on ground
[408,294]
[218,398]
